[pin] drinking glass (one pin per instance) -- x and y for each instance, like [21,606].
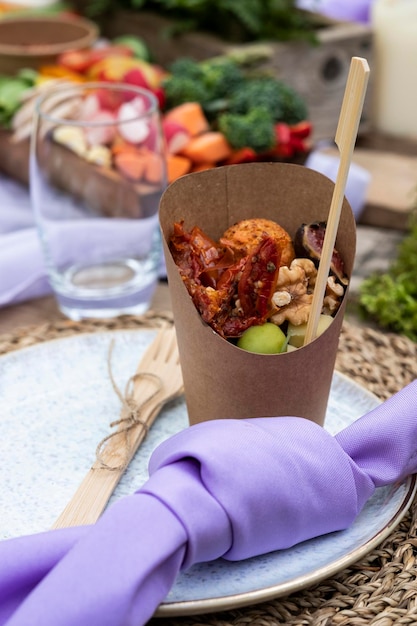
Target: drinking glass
[97,172]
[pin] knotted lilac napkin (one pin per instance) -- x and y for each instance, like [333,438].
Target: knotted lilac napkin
[224,488]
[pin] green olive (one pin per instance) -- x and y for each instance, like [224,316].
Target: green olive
[267,338]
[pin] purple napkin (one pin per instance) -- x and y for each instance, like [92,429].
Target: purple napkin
[22,270]
[23,273]
[225,488]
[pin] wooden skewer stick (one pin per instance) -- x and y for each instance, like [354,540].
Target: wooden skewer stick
[345,139]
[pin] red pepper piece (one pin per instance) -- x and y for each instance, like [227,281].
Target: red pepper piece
[302,130]
[282,133]
[298,145]
[243,155]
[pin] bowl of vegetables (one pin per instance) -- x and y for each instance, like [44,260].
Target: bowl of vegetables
[32,41]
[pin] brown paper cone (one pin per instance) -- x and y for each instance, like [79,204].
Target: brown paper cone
[221,380]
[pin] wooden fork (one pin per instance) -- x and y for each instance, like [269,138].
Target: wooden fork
[158,379]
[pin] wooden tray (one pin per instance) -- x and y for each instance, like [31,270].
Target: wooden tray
[103,189]
[391,161]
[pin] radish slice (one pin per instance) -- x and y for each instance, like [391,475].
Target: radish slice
[101,135]
[176,136]
[133,128]
[90,107]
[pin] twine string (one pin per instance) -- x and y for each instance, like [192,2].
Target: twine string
[130,413]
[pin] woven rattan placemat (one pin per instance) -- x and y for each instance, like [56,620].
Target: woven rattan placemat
[380,589]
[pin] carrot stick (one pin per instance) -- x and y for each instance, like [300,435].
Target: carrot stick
[130,165]
[210,147]
[177,166]
[154,167]
[191,116]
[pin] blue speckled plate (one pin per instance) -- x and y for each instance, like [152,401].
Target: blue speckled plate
[56,404]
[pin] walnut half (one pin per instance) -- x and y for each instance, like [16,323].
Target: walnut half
[333,296]
[294,292]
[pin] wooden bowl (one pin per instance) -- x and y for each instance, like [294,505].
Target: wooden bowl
[35,41]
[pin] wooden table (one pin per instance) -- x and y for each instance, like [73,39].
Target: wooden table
[392,165]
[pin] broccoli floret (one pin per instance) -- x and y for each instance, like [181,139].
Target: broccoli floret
[207,82]
[280,100]
[221,76]
[186,68]
[293,107]
[220,85]
[185,83]
[180,89]
[254,129]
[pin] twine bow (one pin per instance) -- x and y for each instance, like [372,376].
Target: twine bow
[130,414]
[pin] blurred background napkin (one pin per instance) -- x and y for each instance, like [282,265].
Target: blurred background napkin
[358,179]
[22,268]
[223,488]
[353,10]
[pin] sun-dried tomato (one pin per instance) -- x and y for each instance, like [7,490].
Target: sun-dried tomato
[230,292]
[259,279]
[198,256]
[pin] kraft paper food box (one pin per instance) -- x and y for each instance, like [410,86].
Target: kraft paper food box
[220,379]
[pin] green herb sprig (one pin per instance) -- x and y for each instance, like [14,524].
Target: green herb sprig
[390,298]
